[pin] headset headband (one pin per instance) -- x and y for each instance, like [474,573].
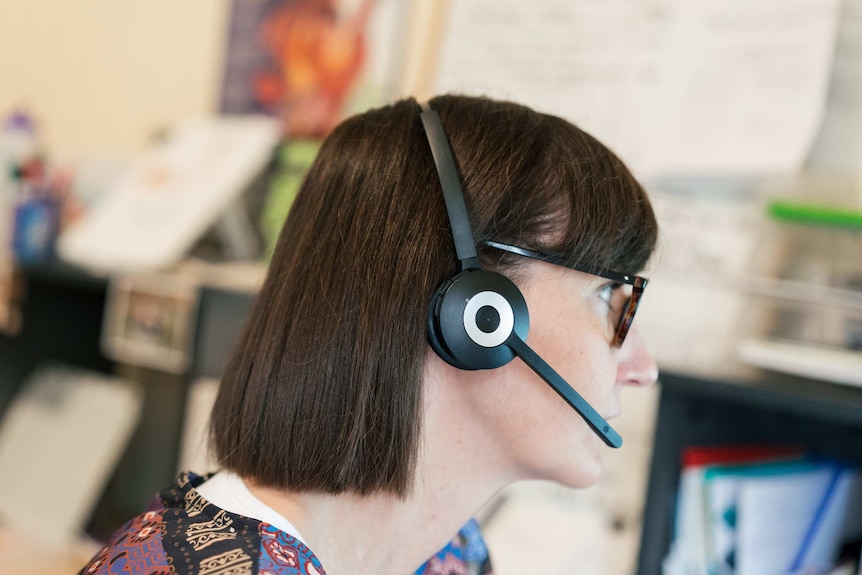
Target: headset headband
[455,307]
[453,195]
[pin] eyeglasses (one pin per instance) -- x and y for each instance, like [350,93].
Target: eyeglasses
[638,283]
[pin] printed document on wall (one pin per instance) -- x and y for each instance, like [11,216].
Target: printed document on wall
[742,86]
[593,62]
[671,86]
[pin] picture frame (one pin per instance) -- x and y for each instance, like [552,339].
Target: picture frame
[150,320]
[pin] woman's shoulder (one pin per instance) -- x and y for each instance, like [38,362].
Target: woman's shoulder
[181,532]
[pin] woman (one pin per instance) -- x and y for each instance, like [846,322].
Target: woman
[349,445]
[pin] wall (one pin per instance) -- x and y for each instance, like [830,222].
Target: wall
[105,76]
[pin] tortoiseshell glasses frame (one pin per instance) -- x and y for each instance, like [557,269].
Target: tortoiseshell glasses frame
[630,307]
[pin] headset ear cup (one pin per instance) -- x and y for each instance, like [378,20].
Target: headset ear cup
[454,306]
[435,338]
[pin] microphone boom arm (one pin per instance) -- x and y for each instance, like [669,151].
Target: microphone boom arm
[596,422]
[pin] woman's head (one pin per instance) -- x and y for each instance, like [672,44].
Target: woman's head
[324,390]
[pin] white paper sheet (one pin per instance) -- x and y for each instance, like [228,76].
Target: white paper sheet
[671,86]
[839,143]
[172,196]
[774,518]
[59,442]
[688,549]
[742,86]
[590,61]
[838,523]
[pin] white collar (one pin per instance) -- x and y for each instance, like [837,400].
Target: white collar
[227,490]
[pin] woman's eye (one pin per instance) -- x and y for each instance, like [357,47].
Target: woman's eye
[606,292]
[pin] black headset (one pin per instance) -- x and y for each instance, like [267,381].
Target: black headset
[478,319]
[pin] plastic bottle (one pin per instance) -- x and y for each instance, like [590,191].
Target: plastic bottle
[19,145]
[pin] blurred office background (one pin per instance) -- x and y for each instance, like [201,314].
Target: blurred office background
[150,152]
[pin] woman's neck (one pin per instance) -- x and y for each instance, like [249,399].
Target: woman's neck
[382,534]
[377,534]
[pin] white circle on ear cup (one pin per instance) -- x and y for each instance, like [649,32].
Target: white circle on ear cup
[504,328]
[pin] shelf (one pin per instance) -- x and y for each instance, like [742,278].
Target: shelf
[836,365]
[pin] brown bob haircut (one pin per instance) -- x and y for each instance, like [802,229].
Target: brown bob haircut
[323,392]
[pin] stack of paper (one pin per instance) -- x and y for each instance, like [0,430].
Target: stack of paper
[763,511]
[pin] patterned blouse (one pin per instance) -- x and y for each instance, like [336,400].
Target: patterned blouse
[181,533]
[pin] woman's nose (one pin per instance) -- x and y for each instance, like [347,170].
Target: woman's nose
[636,366]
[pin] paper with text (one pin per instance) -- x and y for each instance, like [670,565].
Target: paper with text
[670,86]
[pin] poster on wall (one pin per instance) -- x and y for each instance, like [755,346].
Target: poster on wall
[312,62]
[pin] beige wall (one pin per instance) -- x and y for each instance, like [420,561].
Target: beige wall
[104,75]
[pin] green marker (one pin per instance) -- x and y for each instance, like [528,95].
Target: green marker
[815,215]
